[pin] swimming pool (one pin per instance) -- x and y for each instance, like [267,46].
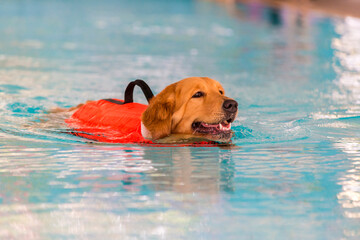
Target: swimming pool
[294,173]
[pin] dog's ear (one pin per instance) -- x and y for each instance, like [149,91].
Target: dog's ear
[157,117]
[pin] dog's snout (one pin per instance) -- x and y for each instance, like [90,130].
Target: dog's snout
[230,106]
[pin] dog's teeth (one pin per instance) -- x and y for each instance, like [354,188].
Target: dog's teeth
[225,126]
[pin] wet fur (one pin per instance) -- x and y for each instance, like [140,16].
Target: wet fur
[171,113]
[174,110]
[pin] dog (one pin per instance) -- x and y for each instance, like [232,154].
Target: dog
[190,110]
[193,107]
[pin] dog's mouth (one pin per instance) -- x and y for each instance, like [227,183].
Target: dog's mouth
[206,128]
[215,131]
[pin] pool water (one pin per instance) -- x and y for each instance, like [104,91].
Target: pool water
[294,172]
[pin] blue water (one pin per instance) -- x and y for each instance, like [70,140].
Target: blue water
[293,173]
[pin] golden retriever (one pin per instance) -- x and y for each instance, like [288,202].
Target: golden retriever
[195,106]
[192,109]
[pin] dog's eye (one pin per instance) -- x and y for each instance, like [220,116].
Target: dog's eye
[198,94]
[221,92]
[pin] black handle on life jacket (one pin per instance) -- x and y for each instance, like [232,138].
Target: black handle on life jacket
[129,91]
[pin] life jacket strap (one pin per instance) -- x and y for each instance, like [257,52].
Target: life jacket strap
[129,91]
[114,101]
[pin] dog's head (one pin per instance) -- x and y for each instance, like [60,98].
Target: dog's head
[195,106]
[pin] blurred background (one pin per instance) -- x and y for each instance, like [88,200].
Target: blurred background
[293,172]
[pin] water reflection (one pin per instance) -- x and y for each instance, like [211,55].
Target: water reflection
[347,99]
[188,170]
[349,197]
[92,190]
[348,55]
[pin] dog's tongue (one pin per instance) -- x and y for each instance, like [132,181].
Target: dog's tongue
[209,125]
[220,126]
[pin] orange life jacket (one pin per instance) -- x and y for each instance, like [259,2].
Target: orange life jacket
[114,120]
[109,120]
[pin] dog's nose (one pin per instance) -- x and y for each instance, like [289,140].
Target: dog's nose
[230,106]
